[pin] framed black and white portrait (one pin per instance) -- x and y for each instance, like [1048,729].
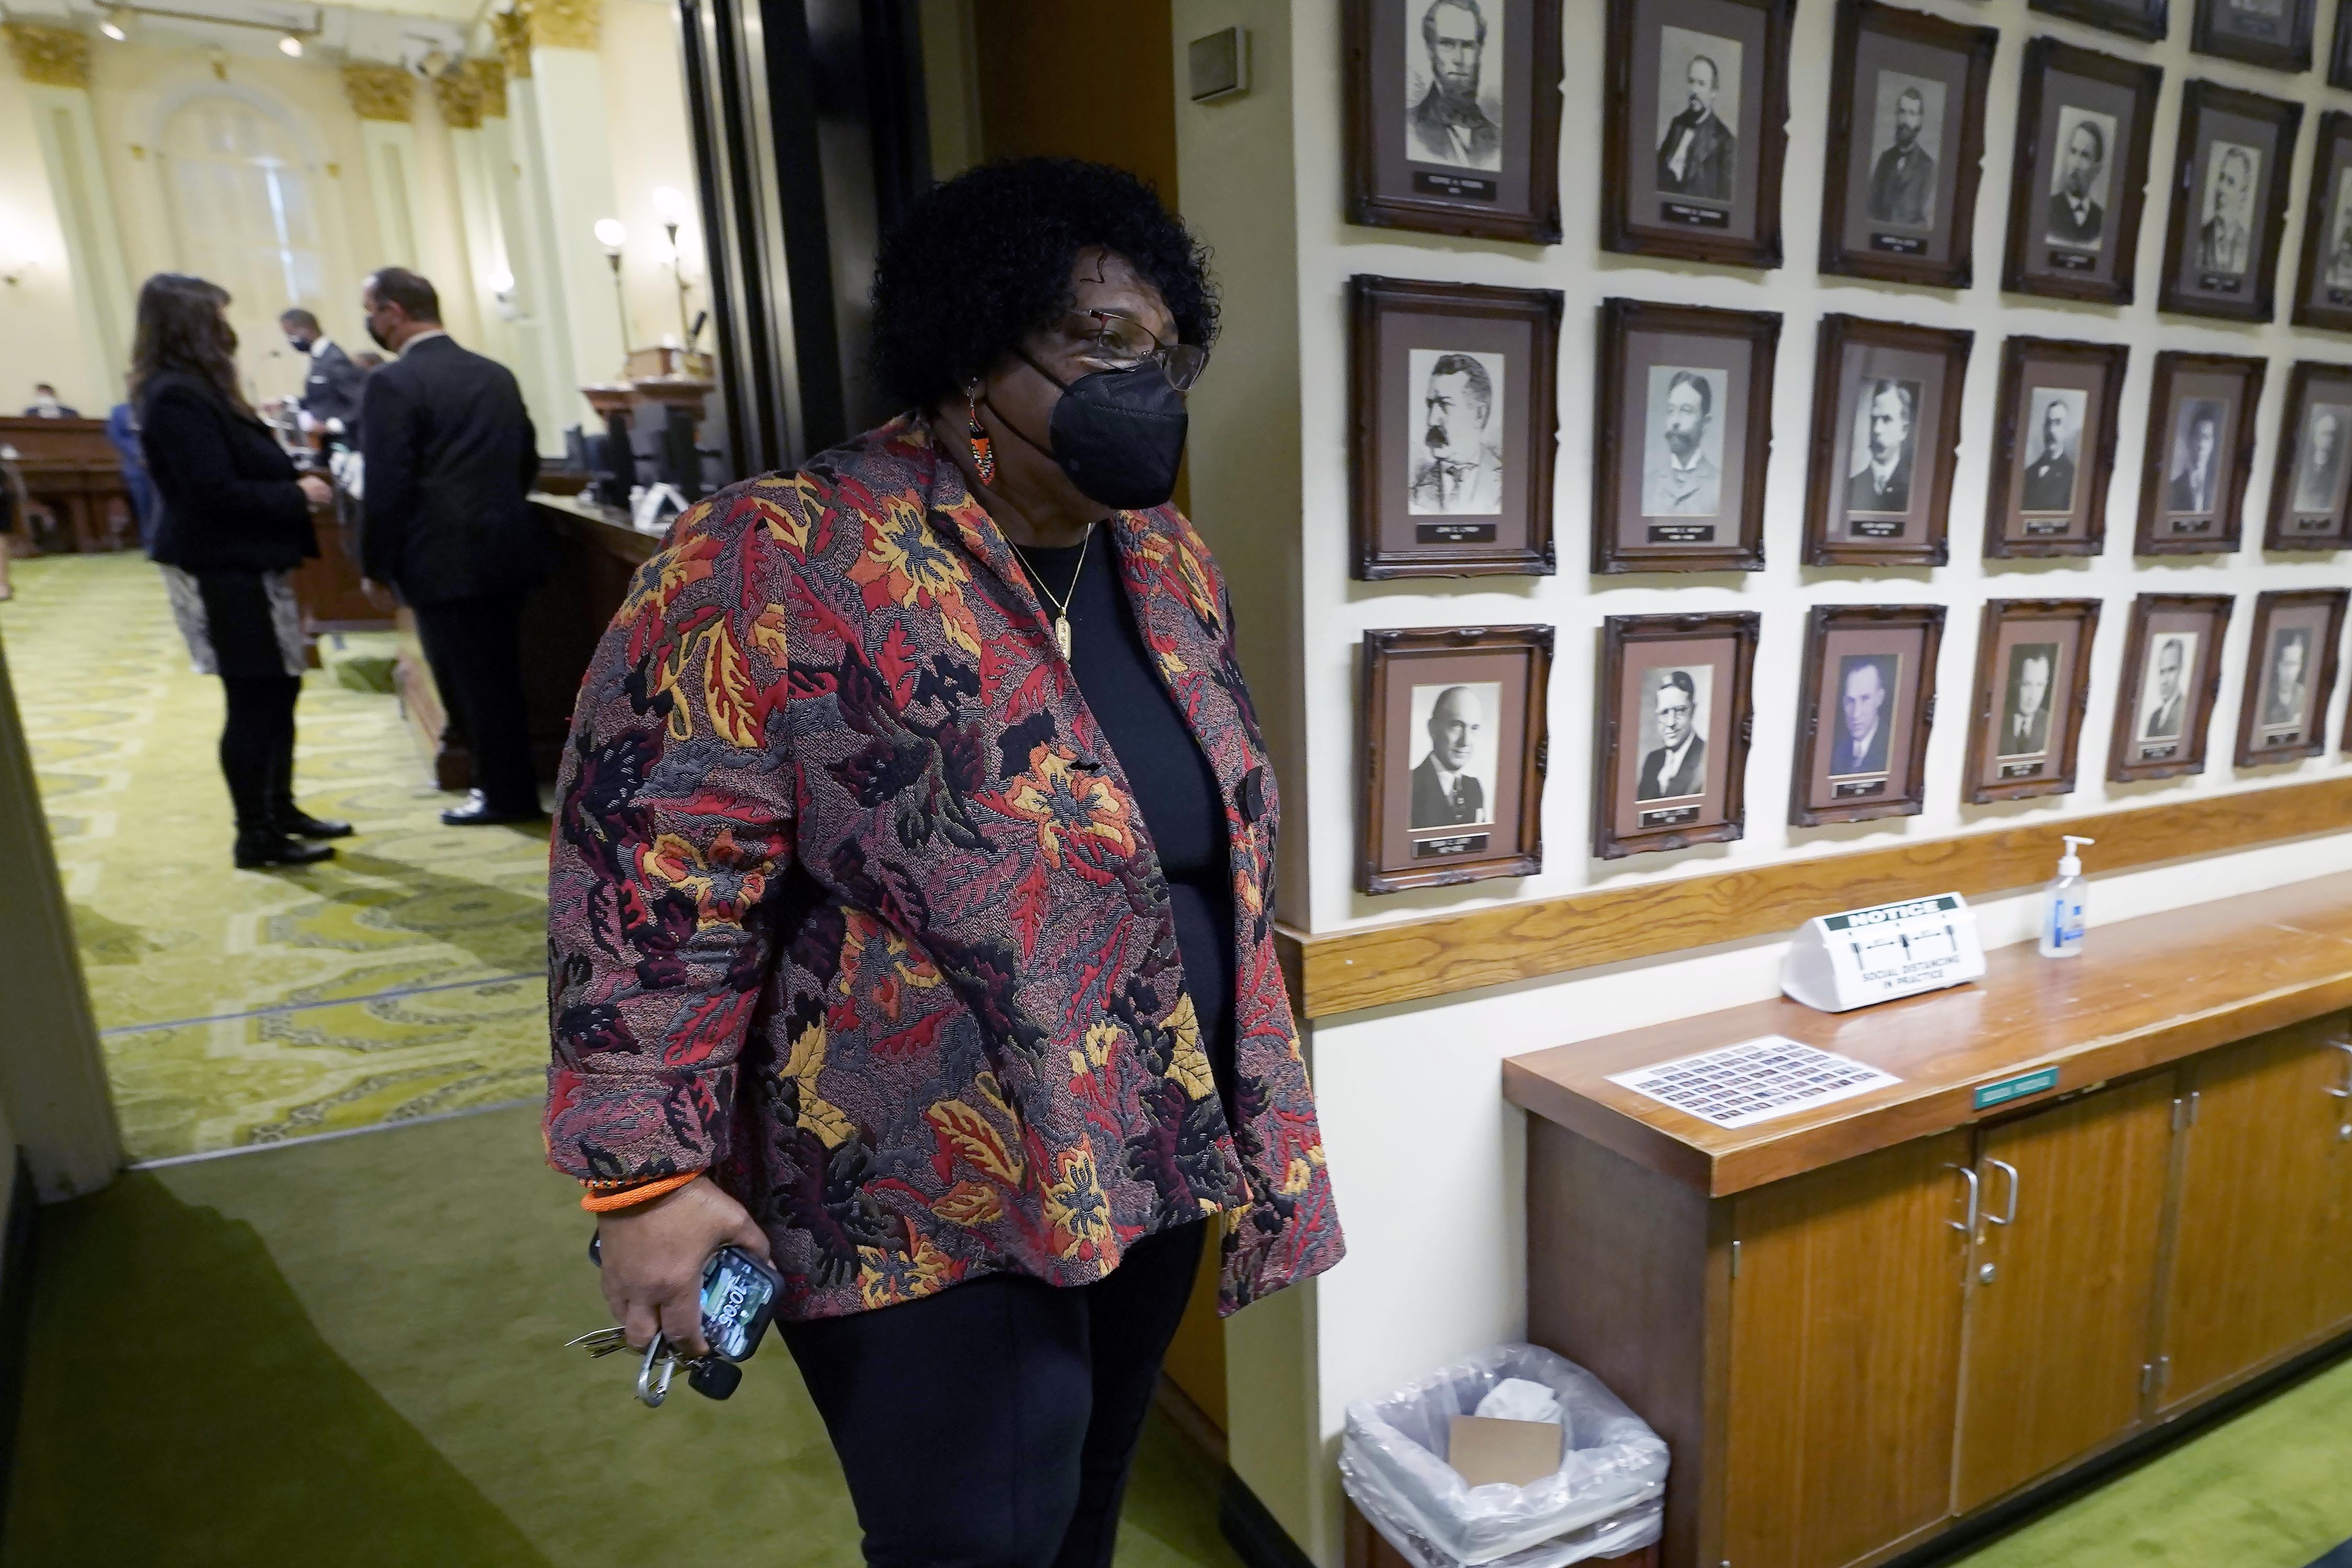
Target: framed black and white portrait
[1453,117]
[2085,122]
[2133,19]
[1454,428]
[2033,676]
[2322,285]
[2274,34]
[1866,705]
[1906,135]
[2172,674]
[2290,675]
[1452,788]
[1886,411]
[1674,719]
[2339,51]
[2311,487]
[2199,453]
[1682,412]
[1697,128]
[2054,448]
[2229,201]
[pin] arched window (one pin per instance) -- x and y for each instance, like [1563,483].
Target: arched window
[242,213]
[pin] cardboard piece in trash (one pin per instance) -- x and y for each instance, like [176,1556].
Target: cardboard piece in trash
[1484,1450]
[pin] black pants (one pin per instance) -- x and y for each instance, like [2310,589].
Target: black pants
[473,647]
[257,747]
[992,1426]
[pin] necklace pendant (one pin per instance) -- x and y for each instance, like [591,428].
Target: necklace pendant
[1062,634]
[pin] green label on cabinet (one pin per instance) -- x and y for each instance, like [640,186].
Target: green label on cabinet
[2008,1089]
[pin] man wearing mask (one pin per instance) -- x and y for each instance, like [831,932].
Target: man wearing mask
[45,405]
[450,455]
[331,385]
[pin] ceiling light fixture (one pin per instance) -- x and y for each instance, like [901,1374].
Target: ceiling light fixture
[291,46]
[115,23]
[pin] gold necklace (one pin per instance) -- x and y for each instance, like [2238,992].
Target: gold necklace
[1061,605]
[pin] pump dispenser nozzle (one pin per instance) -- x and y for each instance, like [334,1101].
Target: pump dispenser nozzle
[2070,863]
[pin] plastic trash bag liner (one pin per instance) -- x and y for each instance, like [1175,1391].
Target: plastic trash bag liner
[1605,1499]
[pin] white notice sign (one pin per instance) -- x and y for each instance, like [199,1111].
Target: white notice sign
[1839,962]
[1754,1081]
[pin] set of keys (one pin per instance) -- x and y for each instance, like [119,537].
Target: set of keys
[712,1376]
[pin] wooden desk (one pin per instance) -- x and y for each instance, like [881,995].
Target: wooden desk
[1858,1325]
[72,470]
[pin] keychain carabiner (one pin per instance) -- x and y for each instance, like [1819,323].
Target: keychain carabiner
[651,1391]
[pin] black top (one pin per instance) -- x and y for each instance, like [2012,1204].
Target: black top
[450,455]
[229,499]
[1176,793]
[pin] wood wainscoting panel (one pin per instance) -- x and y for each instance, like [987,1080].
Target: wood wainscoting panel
[1412,960]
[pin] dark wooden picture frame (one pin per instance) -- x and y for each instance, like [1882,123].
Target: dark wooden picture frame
[1732,724]
[2266,225]
[2267,608]
[2095,458]
[2148,19]
[2133,754]
[2207,35]
[1988,695]
[1824,476]
[1381,489]
[2339,47]
[1627,150]
[2293,525]
[1908,739]
[1446,652]
[1383,190]
[2321,299]
[2070,272]
[1621,437]
[2229,490]
[1962,164]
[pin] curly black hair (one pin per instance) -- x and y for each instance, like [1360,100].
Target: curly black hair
[983,260]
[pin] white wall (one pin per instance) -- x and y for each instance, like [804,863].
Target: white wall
[1427,1157]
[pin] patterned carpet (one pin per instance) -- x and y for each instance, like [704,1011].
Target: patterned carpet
[402,979]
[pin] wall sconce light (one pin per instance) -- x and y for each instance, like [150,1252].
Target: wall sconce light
[670,203]
[15,256]
[502,295]
[612,236]
[291,46]
[115,23]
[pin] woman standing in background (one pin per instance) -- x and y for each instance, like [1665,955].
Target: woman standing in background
[234,523]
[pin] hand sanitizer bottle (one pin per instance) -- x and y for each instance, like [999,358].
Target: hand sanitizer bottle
[2062,916]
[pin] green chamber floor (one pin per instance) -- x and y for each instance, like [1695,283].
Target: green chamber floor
[402,978]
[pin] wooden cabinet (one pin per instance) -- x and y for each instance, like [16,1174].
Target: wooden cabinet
[1845,1335]
[2260,1266]
[2069,1230]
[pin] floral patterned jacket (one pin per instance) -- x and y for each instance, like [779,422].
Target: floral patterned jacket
[850,905]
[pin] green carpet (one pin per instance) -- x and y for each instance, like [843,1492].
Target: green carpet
[348,1352]
[400,979]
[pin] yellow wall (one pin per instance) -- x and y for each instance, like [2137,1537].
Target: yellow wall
[652,146]
[41,339]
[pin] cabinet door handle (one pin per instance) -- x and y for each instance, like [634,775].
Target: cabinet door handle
[2010,1171]
[2346,1046]
[1976,1190]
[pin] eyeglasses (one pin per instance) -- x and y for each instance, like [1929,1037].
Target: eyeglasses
[1121,342]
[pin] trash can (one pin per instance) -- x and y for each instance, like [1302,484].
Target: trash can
[1605,1501]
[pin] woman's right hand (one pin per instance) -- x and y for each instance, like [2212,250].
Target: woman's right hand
[653,1257]
[316,491]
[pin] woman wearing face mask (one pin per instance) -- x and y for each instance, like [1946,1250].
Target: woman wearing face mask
[911,893]
[233,523]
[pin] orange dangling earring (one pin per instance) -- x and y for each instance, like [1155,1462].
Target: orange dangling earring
[983,453]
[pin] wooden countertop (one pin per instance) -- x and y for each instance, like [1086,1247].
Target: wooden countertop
[604,528]
[2144,992]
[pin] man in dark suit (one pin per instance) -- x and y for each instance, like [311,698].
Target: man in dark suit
[1861,706]
[331,385]
[2225,243]
[1448,126]
[1697,155]
[45,405]
[1444,794]
[1884,483]
[2050,478]
[2191,488]
[1903,185]
[2168,703]
[2025,716]
[2075,218]
[1677,766]
[449,456]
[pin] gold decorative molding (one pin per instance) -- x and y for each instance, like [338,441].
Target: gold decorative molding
[460,93]
[563,24]
[513,31]
[49,57]
[489,80]
[381,92]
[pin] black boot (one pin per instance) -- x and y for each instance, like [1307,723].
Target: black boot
[260,847]
[296,823]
